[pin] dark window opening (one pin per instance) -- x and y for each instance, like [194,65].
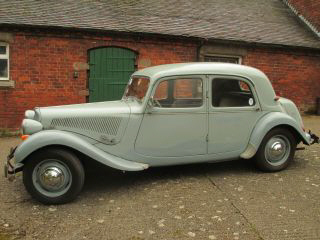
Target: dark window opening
[3,68]
[222,59]
[231,93]
[179,93]
[4,61]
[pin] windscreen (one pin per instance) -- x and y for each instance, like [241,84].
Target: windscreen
[137,87]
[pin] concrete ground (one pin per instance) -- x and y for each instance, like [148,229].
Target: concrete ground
[229,200]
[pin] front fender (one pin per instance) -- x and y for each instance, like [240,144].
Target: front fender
[56,137]
[265,124]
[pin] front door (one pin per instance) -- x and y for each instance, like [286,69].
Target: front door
[110,70]
[233,111]
[177,124]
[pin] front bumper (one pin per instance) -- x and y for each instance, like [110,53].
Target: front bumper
[313,138]
[10,169]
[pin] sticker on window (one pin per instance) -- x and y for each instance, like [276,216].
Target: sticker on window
[251,101]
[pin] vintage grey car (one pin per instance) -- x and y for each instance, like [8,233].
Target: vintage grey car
[169,115]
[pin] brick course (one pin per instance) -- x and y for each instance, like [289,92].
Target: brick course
[42,66]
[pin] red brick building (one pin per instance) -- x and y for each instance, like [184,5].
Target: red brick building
[52,53]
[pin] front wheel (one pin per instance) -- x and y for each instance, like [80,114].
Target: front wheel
[53,176]
[276,150]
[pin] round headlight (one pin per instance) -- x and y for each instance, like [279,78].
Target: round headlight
[29,114]
[30,126]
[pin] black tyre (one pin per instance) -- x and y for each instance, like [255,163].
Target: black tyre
[53,176]
[276,150]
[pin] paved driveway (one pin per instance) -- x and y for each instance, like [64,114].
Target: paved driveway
[207,201]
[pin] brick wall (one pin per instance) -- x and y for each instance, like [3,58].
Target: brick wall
[294,74]
[42,67]
[310,9]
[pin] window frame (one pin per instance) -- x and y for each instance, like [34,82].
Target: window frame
[254,107]
[180,109]
[7,57]
[224,56]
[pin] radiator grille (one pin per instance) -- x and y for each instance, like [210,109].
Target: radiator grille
[108,125]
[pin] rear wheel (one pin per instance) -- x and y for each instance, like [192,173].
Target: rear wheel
[53,176]
[276,150]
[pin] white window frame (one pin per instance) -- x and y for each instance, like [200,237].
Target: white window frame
[5,56]
[225,56]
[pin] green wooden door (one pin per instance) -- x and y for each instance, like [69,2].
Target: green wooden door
[110,70]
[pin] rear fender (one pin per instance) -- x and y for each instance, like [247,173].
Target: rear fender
[55,137]
[268,122]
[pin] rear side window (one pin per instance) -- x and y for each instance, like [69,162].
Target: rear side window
[231,93]
[179,93]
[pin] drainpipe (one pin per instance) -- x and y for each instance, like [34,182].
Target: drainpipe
[302,18]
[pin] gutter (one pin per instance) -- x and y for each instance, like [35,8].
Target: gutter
[307,23]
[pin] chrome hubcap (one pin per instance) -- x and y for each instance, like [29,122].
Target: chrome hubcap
[52,178]
[277,150]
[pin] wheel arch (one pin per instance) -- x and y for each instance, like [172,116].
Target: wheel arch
[294,132]
[55,138]
[266,124]
[76,152]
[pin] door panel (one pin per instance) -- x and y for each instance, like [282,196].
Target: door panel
[172,135]
[230,130]
[110,70]
[177,125]
[233,112]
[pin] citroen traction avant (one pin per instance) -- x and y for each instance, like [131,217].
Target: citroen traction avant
[169,115]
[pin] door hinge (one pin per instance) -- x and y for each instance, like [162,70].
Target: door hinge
[207,138]
[207,94]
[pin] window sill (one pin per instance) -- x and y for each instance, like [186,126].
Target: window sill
[7,83]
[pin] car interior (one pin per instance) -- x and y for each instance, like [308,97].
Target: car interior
[231,93]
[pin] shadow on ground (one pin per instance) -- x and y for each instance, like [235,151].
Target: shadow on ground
[101,178]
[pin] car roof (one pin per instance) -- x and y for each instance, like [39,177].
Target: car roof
[166,70]
[260,81]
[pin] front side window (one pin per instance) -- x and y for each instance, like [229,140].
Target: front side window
[137,87]
[4,61]
[231,93]
[179,93]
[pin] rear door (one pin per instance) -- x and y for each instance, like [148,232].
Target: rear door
[233,112]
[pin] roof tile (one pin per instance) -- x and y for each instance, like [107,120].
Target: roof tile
[260,21]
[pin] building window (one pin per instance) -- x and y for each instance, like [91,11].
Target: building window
[4,61]
[224,59]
